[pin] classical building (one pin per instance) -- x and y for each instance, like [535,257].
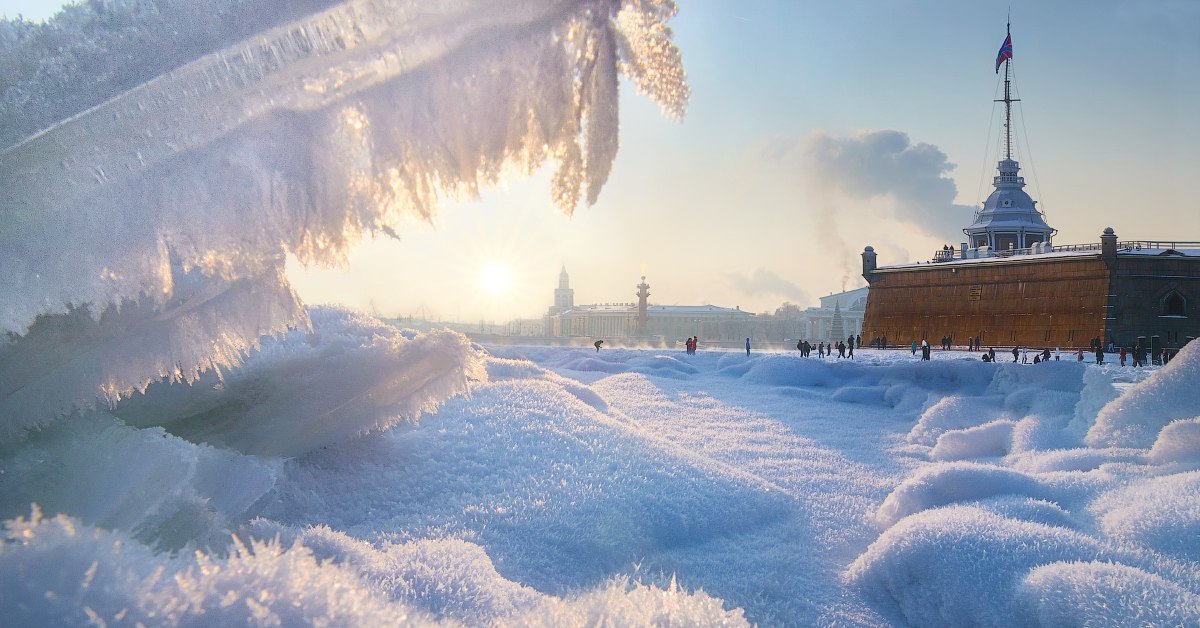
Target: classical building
[1009,284]
[643,320]
[838,316]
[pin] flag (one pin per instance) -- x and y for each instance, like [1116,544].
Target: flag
[1005,52]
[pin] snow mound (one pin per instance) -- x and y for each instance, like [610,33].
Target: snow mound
[351,375]
[623,603]
[1098,390]
[1135,418]
[946,483]
[62,572]
[1106,594]
[962,565]
[952,413]
[447,577]
[1078,459]
[987,440]
[500,369]
[1179,441]
[1161,513]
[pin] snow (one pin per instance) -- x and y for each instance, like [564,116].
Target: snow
[171,207]
[209,451]
[564,486]
[1136,417]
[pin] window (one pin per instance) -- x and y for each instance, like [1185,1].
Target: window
[1173,304]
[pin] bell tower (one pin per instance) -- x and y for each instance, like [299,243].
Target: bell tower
[564,295]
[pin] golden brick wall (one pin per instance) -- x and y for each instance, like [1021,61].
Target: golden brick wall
[1035,303]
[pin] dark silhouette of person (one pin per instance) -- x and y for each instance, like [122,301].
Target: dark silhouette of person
[597,344]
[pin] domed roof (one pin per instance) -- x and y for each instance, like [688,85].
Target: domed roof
[1009,206]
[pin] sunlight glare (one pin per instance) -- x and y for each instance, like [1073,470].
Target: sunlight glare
[495,277]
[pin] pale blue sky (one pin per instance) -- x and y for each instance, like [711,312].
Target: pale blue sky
[734,206]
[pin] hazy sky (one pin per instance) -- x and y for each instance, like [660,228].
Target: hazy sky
[814,129]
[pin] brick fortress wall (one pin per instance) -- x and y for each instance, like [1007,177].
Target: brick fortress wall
[1035,303]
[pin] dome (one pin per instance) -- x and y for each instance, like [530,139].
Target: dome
[1009,218]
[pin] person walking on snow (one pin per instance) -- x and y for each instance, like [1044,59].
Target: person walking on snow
[747,346]
[598,343]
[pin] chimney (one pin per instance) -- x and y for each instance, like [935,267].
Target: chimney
[869,263]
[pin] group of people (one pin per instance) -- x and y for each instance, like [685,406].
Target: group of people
[845,348]
[691,343]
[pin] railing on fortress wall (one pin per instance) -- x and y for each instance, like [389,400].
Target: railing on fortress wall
[1135,245]
[945,255]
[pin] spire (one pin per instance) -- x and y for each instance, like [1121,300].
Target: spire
[1009,218]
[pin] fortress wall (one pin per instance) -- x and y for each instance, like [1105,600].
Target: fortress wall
[1141,283]
[1038,303]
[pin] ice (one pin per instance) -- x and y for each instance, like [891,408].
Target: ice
[177,201]
[349,376]
[212,452]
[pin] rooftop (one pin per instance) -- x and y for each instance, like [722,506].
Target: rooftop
[1148,248]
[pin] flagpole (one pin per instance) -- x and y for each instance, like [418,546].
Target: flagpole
[1008,99]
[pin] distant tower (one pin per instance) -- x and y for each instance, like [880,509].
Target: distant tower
[564,296]
[643,293]
[1009,218]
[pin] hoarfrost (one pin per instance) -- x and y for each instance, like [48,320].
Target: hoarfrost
[300,140]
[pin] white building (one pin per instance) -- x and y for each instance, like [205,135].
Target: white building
[620,320]
[839,315]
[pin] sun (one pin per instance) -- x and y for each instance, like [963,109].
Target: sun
[495,277]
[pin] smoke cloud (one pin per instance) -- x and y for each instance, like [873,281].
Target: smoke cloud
[761,282]
[879,164]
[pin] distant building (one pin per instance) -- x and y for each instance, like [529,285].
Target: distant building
[1010,285]
[839,315]
[564,296]
[633,320]
[709,322]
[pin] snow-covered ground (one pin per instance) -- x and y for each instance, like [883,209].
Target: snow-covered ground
[183,442]
[567,486]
